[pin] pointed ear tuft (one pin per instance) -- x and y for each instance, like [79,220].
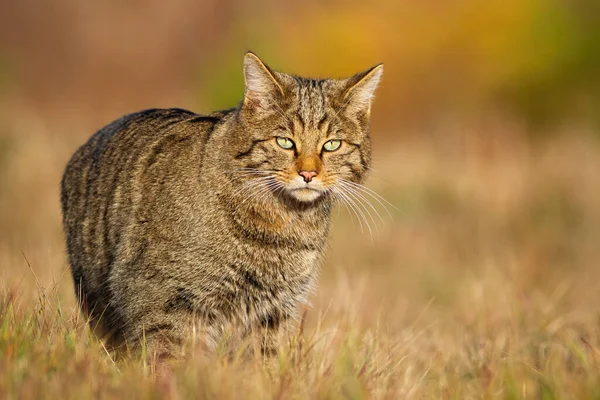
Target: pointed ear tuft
[361,89]
[262,87]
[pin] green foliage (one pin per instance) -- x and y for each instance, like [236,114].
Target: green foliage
[559,76]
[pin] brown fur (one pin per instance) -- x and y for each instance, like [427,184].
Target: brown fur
[176,221]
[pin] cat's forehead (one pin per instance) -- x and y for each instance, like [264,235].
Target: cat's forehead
[313,99]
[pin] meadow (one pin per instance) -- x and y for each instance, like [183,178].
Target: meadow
[480,279]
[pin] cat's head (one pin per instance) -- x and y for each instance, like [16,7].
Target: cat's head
[303,138]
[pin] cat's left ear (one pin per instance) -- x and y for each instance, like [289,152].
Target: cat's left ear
[262,87]
[361,90]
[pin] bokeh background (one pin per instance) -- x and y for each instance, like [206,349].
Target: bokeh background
[486,133]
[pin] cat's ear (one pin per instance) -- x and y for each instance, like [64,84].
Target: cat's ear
[262,87]
[360,90]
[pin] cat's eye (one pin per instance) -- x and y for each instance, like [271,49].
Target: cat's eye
[284,142]
[332,145]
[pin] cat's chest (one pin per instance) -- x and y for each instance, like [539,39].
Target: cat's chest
[283,284]
[278,272]
[281,265]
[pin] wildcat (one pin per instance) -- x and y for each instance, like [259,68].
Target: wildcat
[178,223]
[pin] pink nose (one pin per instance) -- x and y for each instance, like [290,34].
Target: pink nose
[308,175]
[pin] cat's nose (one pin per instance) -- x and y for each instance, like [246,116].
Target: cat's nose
[308,175]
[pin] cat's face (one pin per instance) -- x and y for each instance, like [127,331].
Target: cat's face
[303,138]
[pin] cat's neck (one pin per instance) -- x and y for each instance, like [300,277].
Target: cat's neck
[279,220]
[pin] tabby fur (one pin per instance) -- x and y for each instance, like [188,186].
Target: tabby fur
[179,223]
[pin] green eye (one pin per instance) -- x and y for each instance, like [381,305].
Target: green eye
[332,145]
[284,143]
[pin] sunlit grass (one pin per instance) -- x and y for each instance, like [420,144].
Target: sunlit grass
[48,351]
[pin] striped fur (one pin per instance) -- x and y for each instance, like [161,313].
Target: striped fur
[177,222]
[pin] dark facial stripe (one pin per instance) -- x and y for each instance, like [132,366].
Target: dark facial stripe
[322,121]
[254,143]
[363,162]
[301,122]
[257,164]
[352,167]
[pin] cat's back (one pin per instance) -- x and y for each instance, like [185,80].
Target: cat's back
[126,158]
[112,154]
[126,134]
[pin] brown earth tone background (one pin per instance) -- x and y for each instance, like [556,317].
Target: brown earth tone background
[481,278]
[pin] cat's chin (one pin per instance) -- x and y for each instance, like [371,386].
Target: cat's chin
[305,195]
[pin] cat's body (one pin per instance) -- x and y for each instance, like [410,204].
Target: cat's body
[176,221]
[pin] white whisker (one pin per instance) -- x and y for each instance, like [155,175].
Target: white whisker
[364,210]
[339,198]
[360,199]
[339,195]
[380,199]
[359,214]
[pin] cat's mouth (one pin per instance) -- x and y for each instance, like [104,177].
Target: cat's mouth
[306,194]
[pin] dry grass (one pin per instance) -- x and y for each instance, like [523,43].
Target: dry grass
[484,283]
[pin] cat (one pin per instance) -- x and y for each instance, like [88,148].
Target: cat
[178,223]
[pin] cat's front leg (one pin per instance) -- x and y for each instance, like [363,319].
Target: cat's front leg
[269,332]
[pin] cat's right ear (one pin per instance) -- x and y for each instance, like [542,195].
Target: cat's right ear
[262,87]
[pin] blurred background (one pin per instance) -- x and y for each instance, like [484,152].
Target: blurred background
[485,131]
